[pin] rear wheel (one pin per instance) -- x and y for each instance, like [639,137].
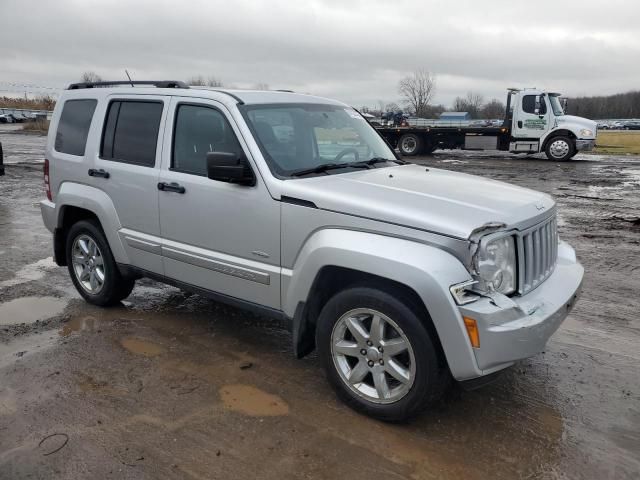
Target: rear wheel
[378,355]
[91,265]
[560,149]
[410,144]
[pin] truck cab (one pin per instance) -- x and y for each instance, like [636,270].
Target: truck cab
[538,123]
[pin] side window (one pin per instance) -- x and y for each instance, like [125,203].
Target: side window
[131,132]
[197,131]
[529,104]
[73,127]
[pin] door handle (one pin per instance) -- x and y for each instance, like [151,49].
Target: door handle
[171,187]
[519,123]
[98,173]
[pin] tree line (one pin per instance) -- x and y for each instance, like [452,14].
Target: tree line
[620,105]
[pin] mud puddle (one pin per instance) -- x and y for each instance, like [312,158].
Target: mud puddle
[30,309]
[252,401]
[79,324]
[142,347]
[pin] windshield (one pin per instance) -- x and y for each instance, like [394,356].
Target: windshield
[297,137]
[556,106]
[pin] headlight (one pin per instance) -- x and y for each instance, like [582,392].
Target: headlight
[496,265]
[585,132]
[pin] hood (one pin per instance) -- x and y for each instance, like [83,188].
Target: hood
[439,201]
[569,121]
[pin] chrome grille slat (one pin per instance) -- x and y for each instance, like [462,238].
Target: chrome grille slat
[539,247]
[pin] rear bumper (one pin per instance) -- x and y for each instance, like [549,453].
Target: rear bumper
[585,145]
[512,329]
[49,215]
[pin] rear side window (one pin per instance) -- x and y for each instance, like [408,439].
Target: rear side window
[131,132]
[529,104]
[73,127]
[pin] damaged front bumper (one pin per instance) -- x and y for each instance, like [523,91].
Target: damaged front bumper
[514,328]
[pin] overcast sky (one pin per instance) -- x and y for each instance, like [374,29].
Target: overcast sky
[352,50]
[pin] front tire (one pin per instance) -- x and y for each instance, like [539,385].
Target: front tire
[560,149]
[378,355]
[91,265]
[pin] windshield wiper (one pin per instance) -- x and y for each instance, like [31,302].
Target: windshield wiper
[326,167]
[374,160]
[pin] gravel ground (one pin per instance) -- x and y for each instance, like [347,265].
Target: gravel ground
[171,385]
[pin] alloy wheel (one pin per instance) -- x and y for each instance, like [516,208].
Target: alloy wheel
[373,356]
[88,264]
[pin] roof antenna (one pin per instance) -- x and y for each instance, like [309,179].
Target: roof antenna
[128,76]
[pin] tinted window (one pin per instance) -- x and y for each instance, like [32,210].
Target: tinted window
[131,132]
[73,128]
[529,104]
[198,130]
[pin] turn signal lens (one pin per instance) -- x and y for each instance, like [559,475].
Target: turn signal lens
[472,331]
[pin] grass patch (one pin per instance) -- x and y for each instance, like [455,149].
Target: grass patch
[39,126]
[618,142]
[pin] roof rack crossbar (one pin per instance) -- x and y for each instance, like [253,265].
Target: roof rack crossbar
[155,83]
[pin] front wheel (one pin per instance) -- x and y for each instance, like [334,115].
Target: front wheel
[560,149]
[378,356]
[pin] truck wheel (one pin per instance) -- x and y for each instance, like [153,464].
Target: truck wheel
[91,265]
[410,144]
[378,356]
[559,149]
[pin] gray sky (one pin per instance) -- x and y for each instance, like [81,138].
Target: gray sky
[353,50]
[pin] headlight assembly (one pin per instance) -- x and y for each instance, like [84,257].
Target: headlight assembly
[496,265]
[585,132]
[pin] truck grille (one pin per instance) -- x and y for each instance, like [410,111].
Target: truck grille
[538,249]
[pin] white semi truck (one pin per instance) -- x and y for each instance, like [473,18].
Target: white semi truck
[534,122]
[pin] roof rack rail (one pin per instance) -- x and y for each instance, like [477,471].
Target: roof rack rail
[155,83]
[285,91]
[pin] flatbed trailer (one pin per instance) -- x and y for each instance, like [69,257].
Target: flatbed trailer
[534,122]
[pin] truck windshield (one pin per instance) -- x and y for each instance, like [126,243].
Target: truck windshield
[297,138]
[556,105]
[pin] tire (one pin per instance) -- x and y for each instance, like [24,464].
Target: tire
[89,259]
[559,149]
[410,144]
[423,383]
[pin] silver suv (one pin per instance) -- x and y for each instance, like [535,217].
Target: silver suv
[293,206]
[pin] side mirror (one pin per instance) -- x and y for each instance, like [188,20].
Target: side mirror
[537,106]
[230,168]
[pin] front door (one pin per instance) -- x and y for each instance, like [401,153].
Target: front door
[218,236]
[530,124]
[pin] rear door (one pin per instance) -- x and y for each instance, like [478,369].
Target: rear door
[216,235]
[127,169]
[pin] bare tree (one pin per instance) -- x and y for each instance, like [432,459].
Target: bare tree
[459,105]
[392,107]
[494,109]
[90,77]
[474,104]
[214,82]
[418,90]
[200,81]
[262,86]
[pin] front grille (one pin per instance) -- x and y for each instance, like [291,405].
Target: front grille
[538,249]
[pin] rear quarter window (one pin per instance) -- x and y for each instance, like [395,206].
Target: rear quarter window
[73,127]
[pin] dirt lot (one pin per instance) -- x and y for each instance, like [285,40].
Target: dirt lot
[170,385]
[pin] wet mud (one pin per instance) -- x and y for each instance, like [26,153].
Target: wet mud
[171,385]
